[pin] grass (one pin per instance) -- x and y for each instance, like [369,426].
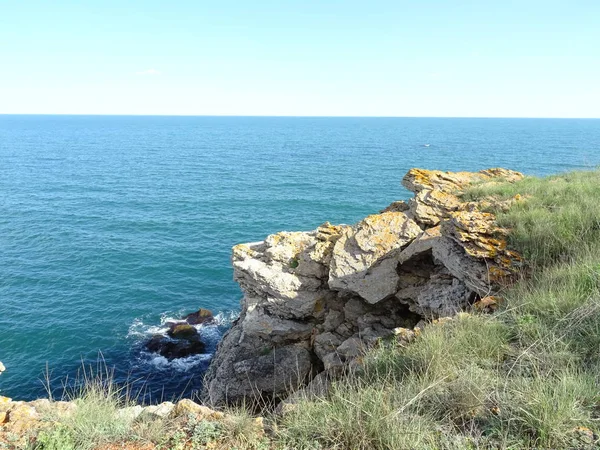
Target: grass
[526,376]
[99,418]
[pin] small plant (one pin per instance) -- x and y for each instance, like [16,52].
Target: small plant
[59,438]
[204,432]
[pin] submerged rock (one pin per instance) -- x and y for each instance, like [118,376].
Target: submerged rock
[314,301]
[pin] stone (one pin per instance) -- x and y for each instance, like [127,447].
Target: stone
[333,363]
[429,206]
[130,413]
[351,347]
[21,417]
[399,206]
[479,235]
[257,322]
[161,410]
[333,320]
[417,180]
[422,244]
[285,272]
[186,407]
[326,343]
[183,331]
[202,316]
[488,304]
[469,270]
[442,295]
[252,367]
[404,335]
[360,247]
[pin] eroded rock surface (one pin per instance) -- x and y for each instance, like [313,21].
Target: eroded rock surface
[314,301]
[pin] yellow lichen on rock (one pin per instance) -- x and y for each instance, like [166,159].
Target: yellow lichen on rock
[481,237]
[418,179]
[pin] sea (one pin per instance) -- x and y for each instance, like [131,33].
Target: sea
[111,226]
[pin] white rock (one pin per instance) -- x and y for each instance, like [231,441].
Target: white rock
[358,264]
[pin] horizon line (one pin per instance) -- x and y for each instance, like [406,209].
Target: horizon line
[297,116]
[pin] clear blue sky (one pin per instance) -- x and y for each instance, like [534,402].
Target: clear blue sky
[524,58]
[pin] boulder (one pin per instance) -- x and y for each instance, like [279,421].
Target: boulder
[183,331]
[161,410]
[430,206]
[362,262]
[185,407]
[202,316]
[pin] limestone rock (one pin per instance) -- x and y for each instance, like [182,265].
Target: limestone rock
[258,322]
[479,235]
[353,267]
[130,413]
[472,272]
[399,206]
[286,272]
[21,417]
[185,407]
[326,343]
[417,180]
[163,409]
[442,295]
[351,347]
[430,206]
[314,301]
[247,366]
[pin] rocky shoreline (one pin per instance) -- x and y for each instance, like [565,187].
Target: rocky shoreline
[314,301]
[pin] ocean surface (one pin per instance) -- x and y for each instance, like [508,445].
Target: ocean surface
[111,225]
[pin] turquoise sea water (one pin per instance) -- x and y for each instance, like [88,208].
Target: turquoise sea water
[111,225]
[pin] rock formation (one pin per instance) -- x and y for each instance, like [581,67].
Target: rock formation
[313,301]
[182,338]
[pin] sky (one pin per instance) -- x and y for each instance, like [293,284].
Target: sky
[432,58]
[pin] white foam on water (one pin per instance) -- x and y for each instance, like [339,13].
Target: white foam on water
[179,364]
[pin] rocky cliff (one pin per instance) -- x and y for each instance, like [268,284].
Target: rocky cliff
[313,301]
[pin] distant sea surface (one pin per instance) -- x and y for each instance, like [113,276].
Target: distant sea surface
[111,225]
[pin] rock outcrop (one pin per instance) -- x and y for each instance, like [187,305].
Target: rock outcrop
[313,301]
